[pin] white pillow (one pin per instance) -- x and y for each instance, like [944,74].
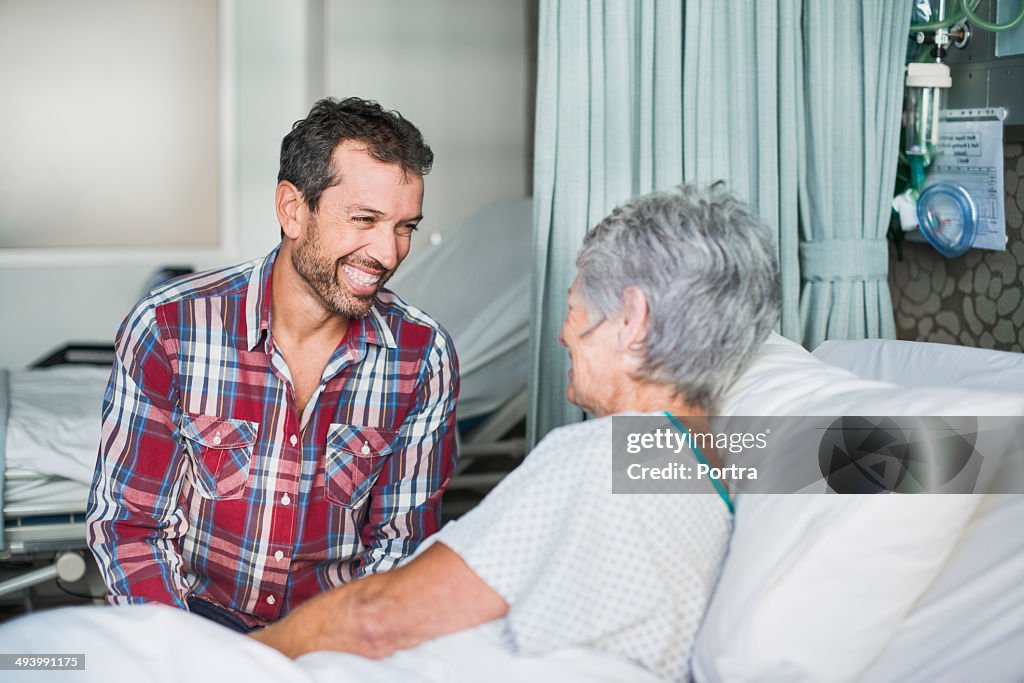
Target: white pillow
[927,364]
[815,585]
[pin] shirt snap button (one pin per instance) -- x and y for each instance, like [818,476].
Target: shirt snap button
[294,440]
[285,499]
[365,449]
[278,555]
[271,600]
[216,439]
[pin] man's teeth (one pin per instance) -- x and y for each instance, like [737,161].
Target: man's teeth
[361,277]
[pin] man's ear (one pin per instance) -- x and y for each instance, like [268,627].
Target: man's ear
[292,211]
[633,325]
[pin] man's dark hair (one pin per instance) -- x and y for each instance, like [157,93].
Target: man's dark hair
[306,151]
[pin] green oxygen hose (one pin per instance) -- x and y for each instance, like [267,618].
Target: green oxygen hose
[989,26]
[917,178]
[956,14]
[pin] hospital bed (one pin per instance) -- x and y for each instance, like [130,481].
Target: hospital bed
[49,433]
[799,599]
[476,283]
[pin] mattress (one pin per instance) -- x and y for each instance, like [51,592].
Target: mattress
[49,436]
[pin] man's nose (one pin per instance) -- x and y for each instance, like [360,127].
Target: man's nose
[384,247]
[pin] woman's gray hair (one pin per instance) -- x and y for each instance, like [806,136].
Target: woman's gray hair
[708,268]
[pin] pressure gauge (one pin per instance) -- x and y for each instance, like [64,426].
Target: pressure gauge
[948,218]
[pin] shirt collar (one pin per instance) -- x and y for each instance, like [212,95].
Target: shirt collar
[372,328]
[257,299]
[376,328]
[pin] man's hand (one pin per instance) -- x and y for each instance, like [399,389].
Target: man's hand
[434,594]
[326,622]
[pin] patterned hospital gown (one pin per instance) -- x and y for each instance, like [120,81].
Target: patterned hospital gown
[629,575]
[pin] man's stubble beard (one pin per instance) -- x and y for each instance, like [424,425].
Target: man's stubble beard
[323,276]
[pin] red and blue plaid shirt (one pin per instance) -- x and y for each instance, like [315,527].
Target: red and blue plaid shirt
[210,484]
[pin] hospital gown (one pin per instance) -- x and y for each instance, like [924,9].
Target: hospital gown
[627,574]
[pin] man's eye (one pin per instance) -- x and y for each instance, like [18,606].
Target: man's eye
[363,219]
[406,230]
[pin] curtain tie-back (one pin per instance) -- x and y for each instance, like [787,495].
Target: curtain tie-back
[856,260]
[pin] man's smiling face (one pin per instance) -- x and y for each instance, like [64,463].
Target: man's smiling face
[360,232]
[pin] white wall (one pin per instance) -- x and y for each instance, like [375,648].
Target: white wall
[458,69]
[43,306]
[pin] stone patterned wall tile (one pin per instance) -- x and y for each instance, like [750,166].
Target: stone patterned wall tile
[1003,332]
[1013,214]
[986,340]
[1008,302]
[949,321]
[938,276]
[970,318]
[1018,318]
[1017,250]
[986,309]
[1004,266]
[995,288]
[982,275]
[917,290]
[964,284]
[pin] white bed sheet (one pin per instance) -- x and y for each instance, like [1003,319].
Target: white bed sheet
[160,644]
[969,624]
[54,423]
[24,488]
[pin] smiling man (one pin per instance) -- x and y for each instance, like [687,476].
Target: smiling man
[278,428]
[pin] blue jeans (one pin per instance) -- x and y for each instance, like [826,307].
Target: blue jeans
[217,614]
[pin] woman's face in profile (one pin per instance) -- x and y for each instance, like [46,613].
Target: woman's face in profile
[591,346]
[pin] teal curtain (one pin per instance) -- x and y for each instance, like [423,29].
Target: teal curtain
[609,106]
[853,88]
[795,103]
[741,117]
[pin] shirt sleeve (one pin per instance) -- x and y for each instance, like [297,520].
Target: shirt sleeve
[405,502]
[133,521]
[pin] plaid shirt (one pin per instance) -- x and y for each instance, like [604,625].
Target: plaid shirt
[209,483]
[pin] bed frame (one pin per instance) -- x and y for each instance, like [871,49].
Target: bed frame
[39,540]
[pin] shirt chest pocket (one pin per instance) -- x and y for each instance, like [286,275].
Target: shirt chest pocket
[219,450]
[354,459]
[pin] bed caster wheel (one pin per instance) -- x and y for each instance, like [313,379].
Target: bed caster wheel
[70,567]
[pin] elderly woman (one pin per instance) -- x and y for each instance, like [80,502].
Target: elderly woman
[674,292]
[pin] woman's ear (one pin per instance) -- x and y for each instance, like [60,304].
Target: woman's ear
[292,212]
[633,327]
